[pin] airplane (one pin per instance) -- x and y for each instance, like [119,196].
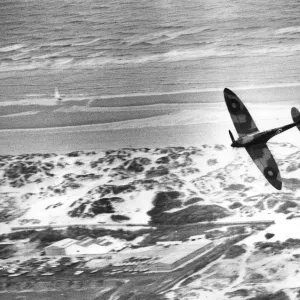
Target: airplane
[255,141]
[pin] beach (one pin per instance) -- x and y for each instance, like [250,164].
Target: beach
[181,122]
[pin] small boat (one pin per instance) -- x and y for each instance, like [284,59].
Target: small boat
[57,96]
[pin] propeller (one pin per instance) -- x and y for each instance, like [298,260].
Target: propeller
[231,135]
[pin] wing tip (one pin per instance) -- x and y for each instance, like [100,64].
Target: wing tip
[277,184]
[229,94]
[228,91]
[279,187]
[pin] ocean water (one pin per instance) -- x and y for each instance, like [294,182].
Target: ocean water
[91,49]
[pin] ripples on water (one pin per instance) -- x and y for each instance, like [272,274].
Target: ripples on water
[121,47]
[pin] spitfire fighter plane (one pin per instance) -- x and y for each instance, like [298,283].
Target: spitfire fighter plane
[253,140]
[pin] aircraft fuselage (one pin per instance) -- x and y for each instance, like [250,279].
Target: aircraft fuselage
[260,137]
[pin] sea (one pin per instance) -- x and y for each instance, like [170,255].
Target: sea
[96,49]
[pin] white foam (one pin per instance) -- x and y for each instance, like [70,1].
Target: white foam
[287,30]
[87,43]
[11,48]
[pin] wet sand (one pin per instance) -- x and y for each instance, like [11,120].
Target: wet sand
[155,125]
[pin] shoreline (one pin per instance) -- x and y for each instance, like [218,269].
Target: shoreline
[64,142]
[157,125]
[149,137]
[274,93]
[158,115]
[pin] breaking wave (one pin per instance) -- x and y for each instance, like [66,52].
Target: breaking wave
[11,48]
[65,58]
[288,30]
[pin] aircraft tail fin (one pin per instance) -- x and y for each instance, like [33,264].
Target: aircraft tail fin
[296,116]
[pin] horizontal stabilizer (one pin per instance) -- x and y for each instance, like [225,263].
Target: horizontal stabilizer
[296,116]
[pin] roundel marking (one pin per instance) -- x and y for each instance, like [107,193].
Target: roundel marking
[279,131]
[269,172]
[234,106]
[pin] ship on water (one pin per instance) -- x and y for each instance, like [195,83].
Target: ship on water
[57,96]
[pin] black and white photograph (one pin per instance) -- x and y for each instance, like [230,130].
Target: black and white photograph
[149,150]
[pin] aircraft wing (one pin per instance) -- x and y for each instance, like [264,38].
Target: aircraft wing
[263,158]
[240,116]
